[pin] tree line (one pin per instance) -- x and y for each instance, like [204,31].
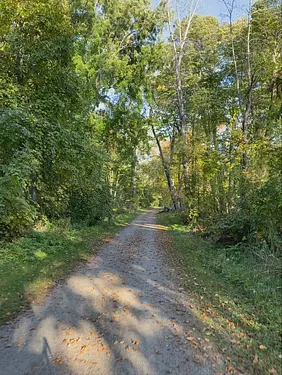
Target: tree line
[89,87]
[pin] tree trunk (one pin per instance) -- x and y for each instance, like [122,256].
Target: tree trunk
[248,108]
[182,119]
[167,171]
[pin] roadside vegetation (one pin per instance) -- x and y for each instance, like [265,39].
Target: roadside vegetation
[114,105]
[31,265]
[236,294]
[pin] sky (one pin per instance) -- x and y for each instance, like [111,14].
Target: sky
[217,9]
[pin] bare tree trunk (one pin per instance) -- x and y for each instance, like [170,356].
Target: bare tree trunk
[189,8]
[167,171]
[245,104]
[181,112]
[229,5]
[247,111]
[134,183]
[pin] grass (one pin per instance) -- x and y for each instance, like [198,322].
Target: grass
[235,295]
[32,264]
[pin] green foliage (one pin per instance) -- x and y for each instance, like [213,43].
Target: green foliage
[17,211]
[256,219]
[73,83]
[90,206]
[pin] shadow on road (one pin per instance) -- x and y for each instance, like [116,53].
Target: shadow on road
[123,313]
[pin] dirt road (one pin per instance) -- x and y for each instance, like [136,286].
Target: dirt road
[122,313]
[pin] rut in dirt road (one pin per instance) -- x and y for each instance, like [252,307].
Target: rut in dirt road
[122,313]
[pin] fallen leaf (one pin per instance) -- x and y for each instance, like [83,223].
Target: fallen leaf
[256,359]
[83,349]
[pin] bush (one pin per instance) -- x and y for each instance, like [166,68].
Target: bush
[90,206]
[256,219]
[17,210]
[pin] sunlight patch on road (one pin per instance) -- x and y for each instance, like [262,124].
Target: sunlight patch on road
[150,226]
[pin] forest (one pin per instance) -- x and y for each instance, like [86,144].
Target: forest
[88,90]
[111,106]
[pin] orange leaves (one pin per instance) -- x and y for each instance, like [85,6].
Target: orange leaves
[102,348]
[58,360]
[71,341]
[191,339]
[83,349]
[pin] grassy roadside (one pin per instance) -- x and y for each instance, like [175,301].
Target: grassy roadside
[236,297]
[31,265]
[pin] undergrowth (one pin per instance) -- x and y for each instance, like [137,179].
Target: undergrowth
[237,295]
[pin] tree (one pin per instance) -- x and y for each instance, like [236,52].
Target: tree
[74,77]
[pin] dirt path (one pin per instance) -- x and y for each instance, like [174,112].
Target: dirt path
[122,313]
